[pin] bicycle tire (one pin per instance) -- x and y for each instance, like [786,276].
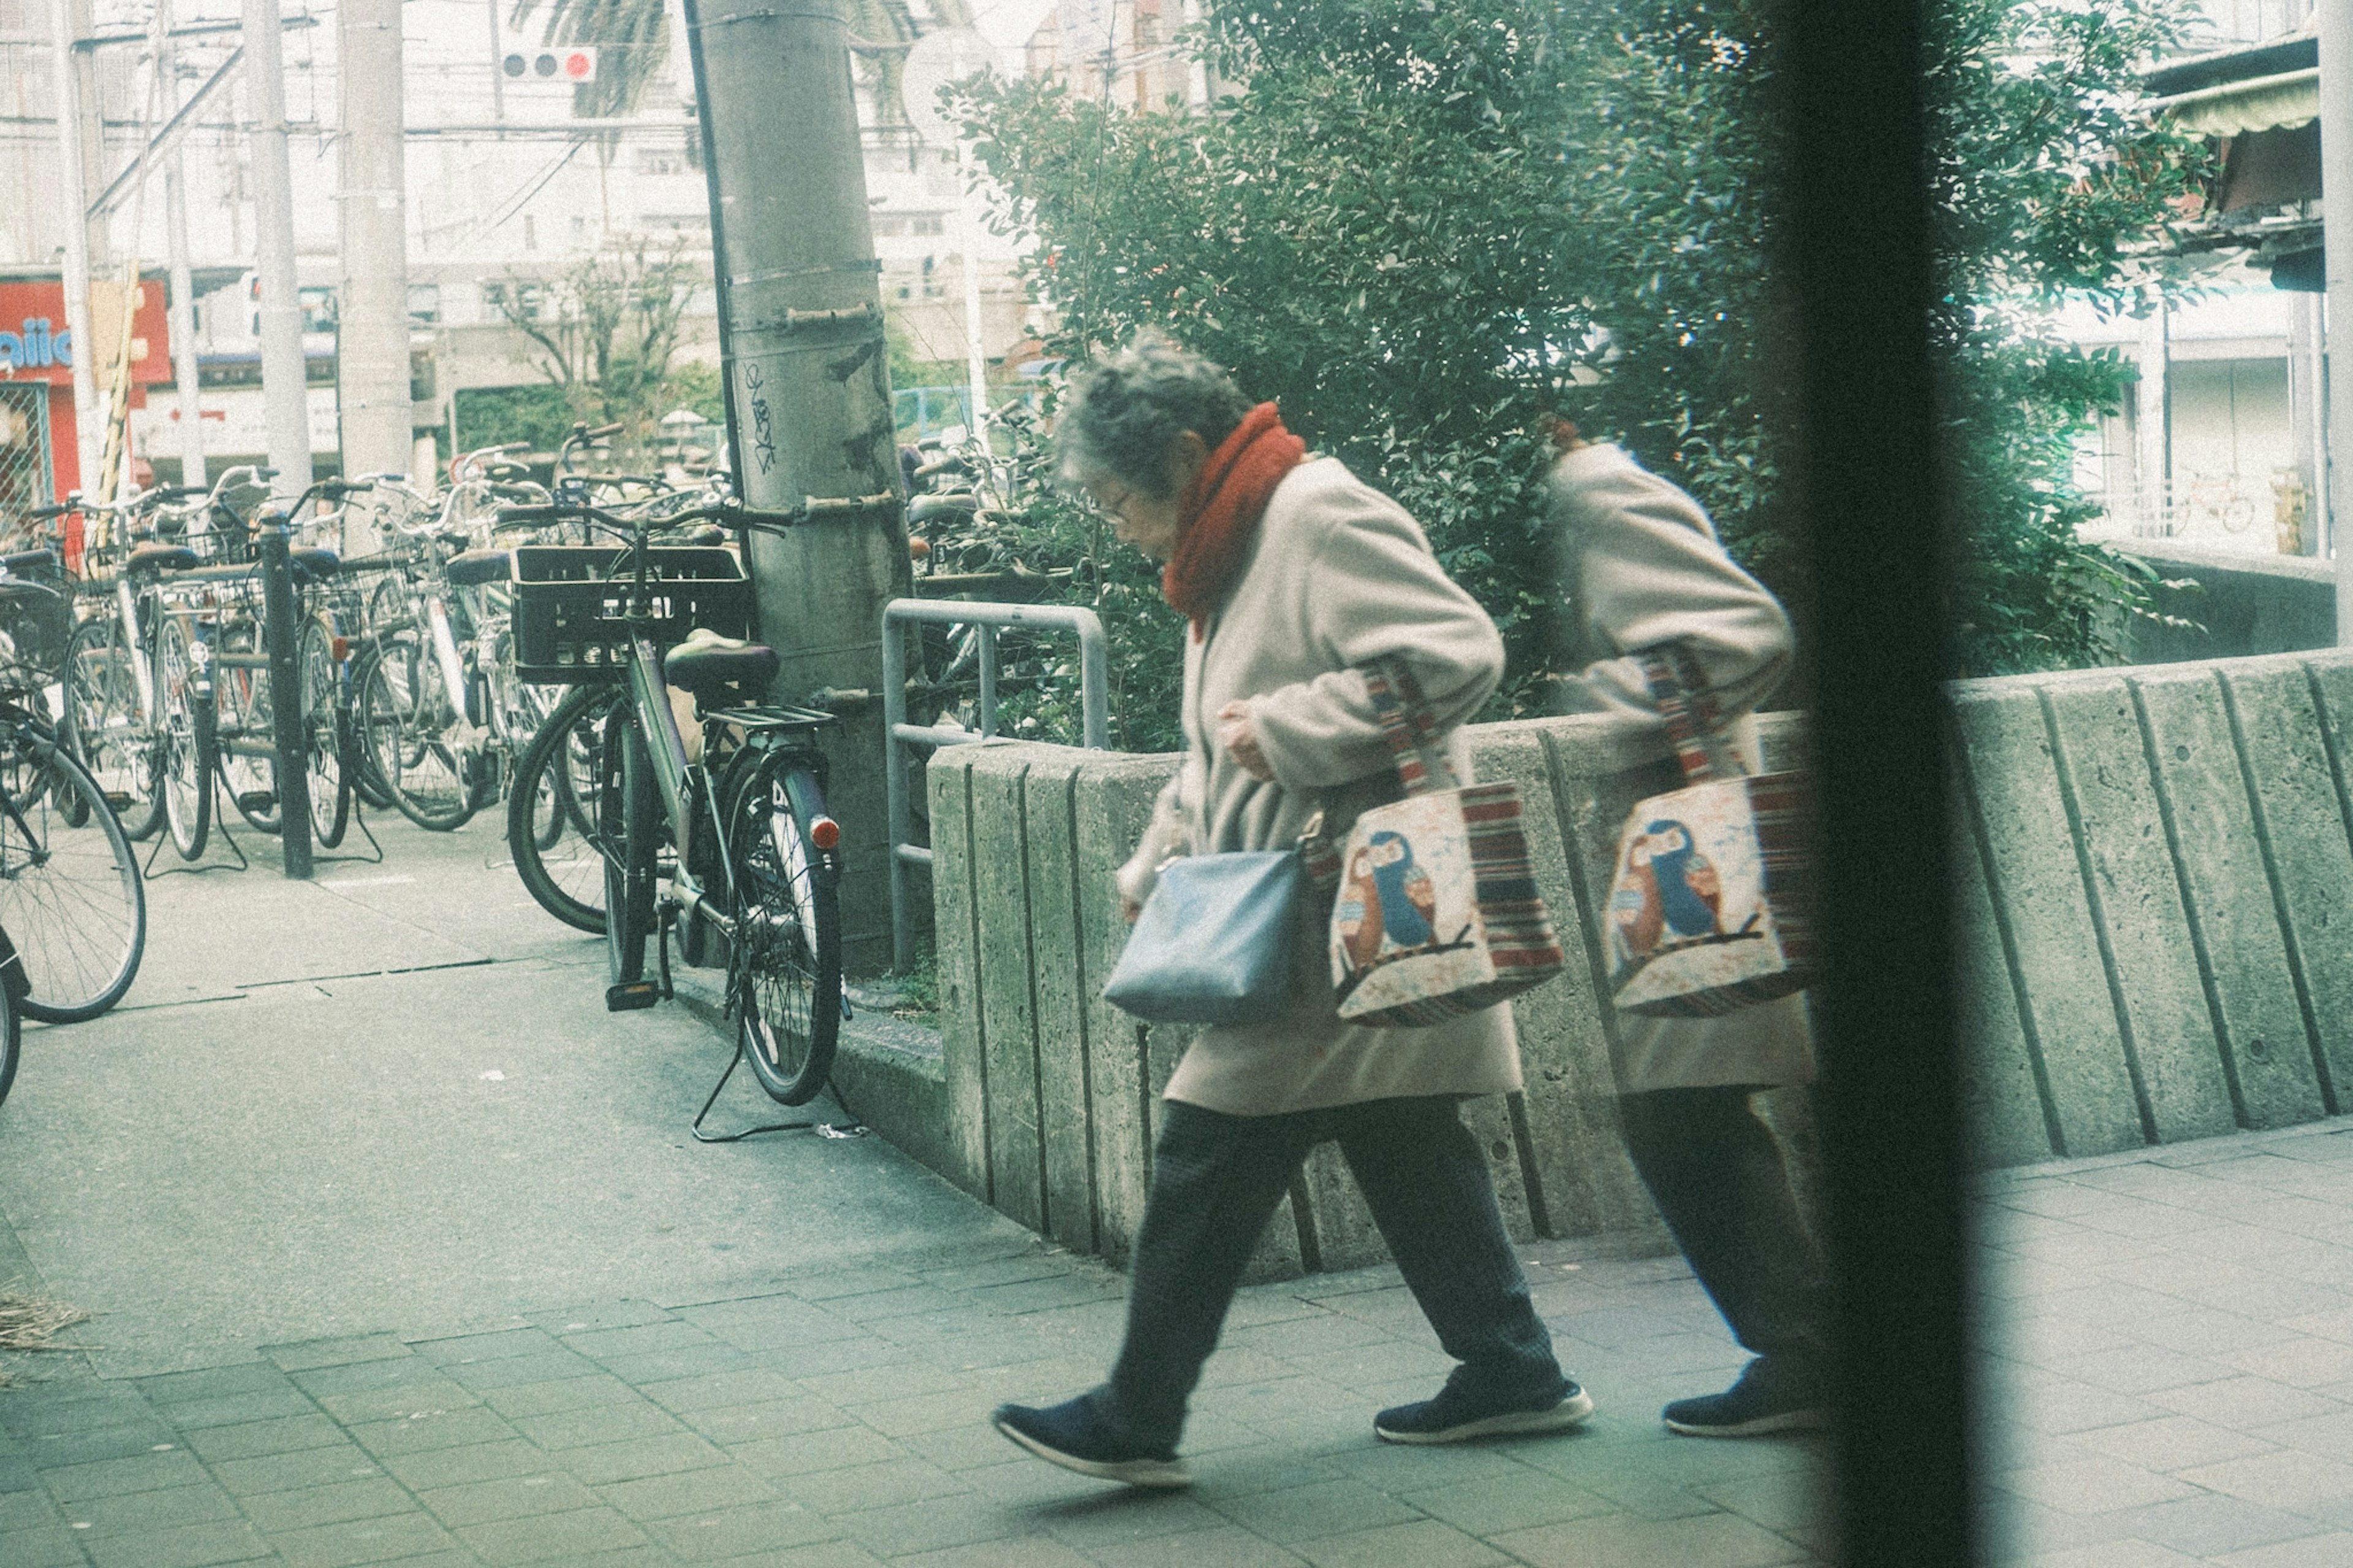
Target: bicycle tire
[561,866]
[367,779]
[401,722]
[184,769]
[250,782]
[785,962]
[330,780]
[103,727]
[625,809]
[72,898]
[12,1040]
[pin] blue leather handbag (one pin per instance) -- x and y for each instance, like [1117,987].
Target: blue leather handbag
[1214,942]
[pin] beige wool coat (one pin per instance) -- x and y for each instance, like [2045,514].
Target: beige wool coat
[1340,577]
[1642,565]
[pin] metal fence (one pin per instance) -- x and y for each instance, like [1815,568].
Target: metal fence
[23,450]
[898,734]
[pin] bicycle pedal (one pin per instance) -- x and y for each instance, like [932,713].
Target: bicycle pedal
[846,1013]
[257,800]
[628,998]
[118,800]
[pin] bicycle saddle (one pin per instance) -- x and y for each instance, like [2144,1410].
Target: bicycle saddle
[153,557]
[318,563]
[20,561]
[706,660]
[480,566]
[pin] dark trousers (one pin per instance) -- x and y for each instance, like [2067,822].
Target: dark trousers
[1717,1175]
[1215,1180]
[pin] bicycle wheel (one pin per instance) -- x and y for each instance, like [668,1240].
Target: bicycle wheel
[243,697]
[557,849]
[12,1037]
[71,898]
[367,779]
[626,810]
[103,727]
[786,955]
[185,768]
[404,717]
[330,781]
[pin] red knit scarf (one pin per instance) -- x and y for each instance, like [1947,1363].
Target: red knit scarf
[1217,516]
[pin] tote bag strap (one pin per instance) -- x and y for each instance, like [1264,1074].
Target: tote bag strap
[1409,727]
[1680,686]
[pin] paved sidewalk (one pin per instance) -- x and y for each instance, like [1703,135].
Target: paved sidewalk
[418,1269]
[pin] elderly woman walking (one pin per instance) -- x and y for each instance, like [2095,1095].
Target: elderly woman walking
[1295,575]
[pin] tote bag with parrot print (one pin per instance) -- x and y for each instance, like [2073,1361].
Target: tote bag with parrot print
[1708,907]
[1437,912]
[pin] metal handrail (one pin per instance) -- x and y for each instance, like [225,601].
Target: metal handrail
[897,733]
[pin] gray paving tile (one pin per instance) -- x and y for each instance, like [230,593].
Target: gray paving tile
[392,1538]
[857,1487]
[669,1454]
[806,1453]
[1424,1543]
[689,1492]
[2331,1550]
[1017,1552]
[136,1473]
[551,1538]
[507,1497]
[344,1352]
[734,1424]
[331,1504]
[1703,1541]
[1227,1548]
[48,1546]
[755,1529]
[1307,1513]
[187,1546]
[430,1429]
[127,1513]
[285,1434]
[564,1394]
[597,1424]
[1517,1499]
[438,1467]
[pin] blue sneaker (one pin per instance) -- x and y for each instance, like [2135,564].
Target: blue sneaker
[1075,1437]
[1766,1399]
[1457,1416]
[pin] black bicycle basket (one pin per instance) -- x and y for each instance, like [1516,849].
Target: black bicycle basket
[571,605]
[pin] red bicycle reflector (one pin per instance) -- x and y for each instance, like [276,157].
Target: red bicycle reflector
[824,833]
[579,67]
[340,649]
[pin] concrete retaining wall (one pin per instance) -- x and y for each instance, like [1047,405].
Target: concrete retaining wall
[2243,604]
[2155,886]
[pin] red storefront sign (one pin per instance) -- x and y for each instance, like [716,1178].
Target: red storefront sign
[36,347]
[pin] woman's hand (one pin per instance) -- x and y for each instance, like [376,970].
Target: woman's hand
[1234,733]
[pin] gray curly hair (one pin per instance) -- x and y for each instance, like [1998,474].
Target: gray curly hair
[1121,415]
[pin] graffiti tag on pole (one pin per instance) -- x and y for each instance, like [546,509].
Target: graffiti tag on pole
[764,438]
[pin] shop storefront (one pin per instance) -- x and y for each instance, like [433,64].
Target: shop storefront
[38,459]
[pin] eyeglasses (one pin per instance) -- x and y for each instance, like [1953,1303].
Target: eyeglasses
[1117,506]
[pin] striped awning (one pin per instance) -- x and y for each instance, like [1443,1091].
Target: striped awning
[2265,103]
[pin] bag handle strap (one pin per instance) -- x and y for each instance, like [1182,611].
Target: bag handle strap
[1680,686]
[1409,727]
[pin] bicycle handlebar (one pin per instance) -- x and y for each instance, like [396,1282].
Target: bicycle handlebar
[713,511]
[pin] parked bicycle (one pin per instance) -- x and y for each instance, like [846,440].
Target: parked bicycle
[724,838]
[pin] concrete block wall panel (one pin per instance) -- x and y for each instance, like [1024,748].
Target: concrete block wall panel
[2202,788]
[1110,805]
[1058,978]
[2140,925]
[956,922]
[2300,826]
[2002,1091]
[2040,903]
[2332,691]
[1008,1002]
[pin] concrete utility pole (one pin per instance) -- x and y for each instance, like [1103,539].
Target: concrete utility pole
[371,327]
[72,165]
[2336,231]
[182,321]
[808,390]
[285,401]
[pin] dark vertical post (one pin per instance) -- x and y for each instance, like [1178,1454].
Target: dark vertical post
[280,636]
[808,390]
[1861,258]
